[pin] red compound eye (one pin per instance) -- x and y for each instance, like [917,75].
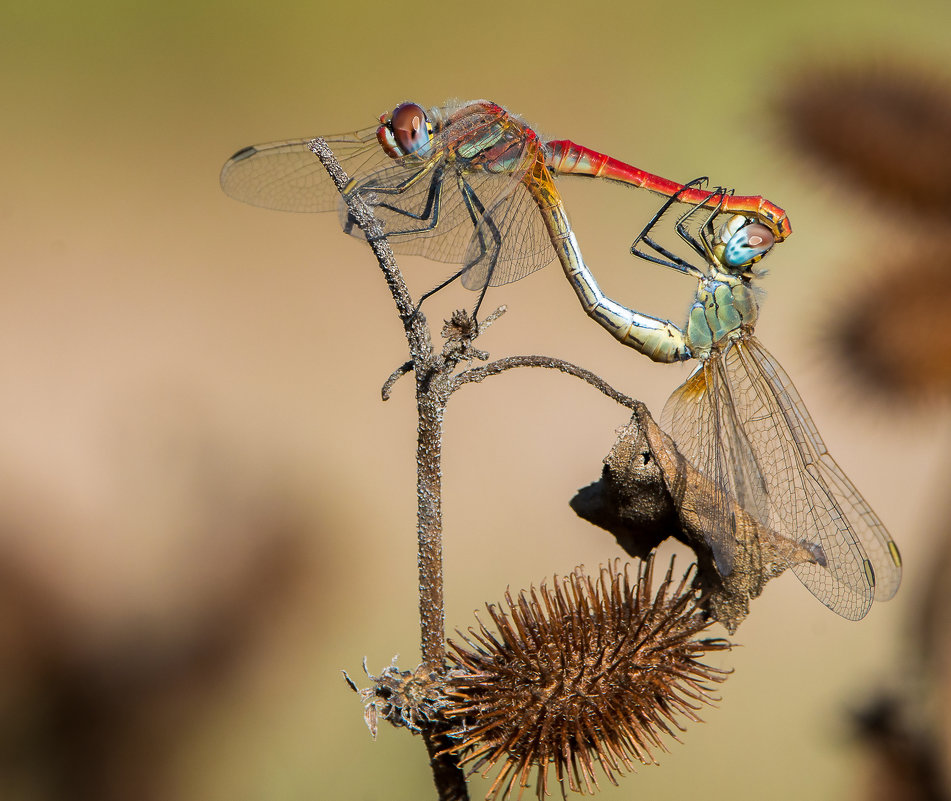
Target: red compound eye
[410,127]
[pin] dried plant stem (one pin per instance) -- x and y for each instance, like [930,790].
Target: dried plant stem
[432,392]
[430,405]
[395,376]
[431,396]
[477,374]
[417,332]
[450,779]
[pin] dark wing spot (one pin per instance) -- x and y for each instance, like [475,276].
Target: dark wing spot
[244,153]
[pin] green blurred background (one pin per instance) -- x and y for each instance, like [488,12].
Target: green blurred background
[206,505]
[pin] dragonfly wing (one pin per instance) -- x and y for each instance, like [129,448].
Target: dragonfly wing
[429,208]
[810,498]
[744,473]
[429,202]
[693,417]
[287,176]
[510,242]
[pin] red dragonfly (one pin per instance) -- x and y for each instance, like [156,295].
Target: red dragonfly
[461,184]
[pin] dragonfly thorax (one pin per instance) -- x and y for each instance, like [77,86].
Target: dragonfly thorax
[724,309]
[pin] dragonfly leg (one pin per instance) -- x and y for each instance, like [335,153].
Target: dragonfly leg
[702,246]
[487,250]
[670,259]
[485,286]
[477,215]
[354,188]
[429,213]
[430,292]
[665,257]
[476,211]
[709,234]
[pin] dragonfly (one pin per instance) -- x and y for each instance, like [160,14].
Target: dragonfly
[738,418]
[459,184]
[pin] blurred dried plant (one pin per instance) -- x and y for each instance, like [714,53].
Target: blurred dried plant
[885,131]
[102,710]
[910,362]
[884,128]
[904,762]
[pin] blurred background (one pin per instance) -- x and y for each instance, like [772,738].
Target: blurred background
[206,512]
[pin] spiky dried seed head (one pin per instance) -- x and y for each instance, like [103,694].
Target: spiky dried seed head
[589,672]
[460,326]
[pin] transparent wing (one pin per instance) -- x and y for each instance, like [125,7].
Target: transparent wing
[810,499]
[429,202]
[510,242]
[288,177]
[432,208]
[692,417]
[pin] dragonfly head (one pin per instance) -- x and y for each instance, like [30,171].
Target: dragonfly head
[404,131]
[741,242]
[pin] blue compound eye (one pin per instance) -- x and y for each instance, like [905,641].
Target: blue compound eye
[748,245]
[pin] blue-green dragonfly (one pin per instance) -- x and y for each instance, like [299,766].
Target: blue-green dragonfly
[738,418]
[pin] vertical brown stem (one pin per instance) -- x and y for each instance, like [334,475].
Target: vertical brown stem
[448,776]
[430,408]
[432,392]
